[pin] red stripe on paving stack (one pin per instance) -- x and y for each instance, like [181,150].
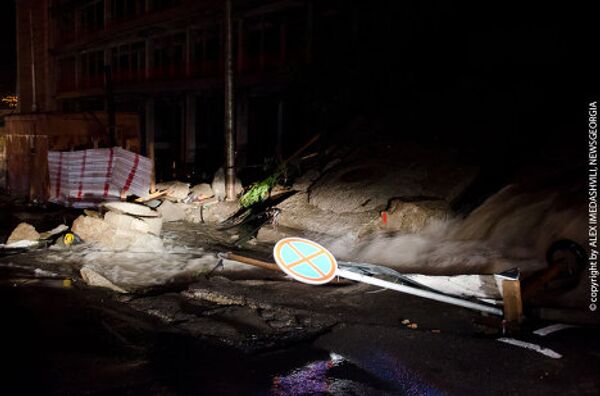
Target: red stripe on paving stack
[59,174]
[80,192]
[108,173]
[132,173]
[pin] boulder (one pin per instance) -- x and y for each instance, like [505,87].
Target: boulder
[93,278]
[218,185]
[411,217]
[304,182]
[23,232]
[176,190]
[98,231]
[171,211]
[131,241]
[90,229]
[297,213]
[149,225]
[130,208]
[193,213]
[201,191]
[220,211]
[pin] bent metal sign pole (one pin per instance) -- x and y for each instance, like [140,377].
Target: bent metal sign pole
[308,262]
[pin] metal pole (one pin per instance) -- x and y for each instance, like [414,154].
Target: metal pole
[419,292]
[229,133]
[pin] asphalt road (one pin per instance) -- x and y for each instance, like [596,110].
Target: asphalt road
[78,340]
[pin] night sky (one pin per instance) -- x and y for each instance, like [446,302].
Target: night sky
[7,45]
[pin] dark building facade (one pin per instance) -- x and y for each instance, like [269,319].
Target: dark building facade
[163,60]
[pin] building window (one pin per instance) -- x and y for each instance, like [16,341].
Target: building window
[206,52]
[90,16]
[65,22]
[157,5]
[169,57]
[92,69]
[128,62]
[122,10]
[66,74]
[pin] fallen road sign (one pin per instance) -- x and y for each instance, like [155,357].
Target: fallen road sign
[308,262]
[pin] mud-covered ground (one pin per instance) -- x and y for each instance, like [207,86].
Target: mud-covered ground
[253,331]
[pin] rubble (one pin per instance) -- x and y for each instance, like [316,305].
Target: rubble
[119,230]
[23,232]
[172,211]
[129,208]
[412,216]
[92,278]
[218,185]
[176,190]
[200,192]
[219,211]
[149,225]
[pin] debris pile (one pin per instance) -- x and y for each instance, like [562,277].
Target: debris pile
[124,226]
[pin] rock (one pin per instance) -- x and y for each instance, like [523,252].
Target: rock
[177,191]
[219,212]
[304,182]
[218,185]
[131,241]
[129,208]
[371,175]
[93,278]
[413,216]
[149,225]
[297,213]
[23,232]
[90,229]
[171,211]
[201,191]
[55,231]
[193,213]
[99,232]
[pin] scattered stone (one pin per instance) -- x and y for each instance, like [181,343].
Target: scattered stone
[92,213]
[93,278]
[193,213]
[105,235]
[131,241]
[171,211]
[20,244]
[218,185]
[150,225]
[131,209]
[90,229]
[220,211]
[23,232]
[55,231]
[176,190]
[153,203]
[201,191]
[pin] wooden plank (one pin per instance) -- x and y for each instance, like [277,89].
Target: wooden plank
[513,305]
